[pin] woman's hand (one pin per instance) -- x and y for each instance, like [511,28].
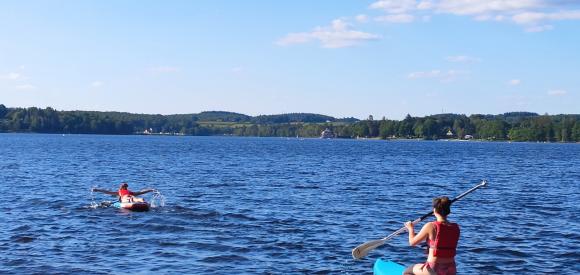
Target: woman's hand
[409,226]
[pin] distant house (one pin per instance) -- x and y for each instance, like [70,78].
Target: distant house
[449,133]
[327,133]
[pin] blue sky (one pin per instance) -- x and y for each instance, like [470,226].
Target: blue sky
[340,58]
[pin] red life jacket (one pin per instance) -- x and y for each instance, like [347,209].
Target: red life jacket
[125,192]
[446,238]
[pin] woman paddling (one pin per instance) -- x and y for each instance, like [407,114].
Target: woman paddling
[442,237]
[124,194]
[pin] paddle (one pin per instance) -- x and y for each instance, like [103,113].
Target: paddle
[364,249]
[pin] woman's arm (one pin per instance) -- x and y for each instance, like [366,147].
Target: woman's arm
[423,234]
[144,191]
[105,191]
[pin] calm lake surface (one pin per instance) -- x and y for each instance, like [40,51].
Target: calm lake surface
[272,205]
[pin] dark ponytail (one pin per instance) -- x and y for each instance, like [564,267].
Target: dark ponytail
[442,205]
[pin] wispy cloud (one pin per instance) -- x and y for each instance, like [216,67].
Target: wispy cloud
[485,7]
[164,69]
[395,6]
[97,84]
[361,18]
[12,76]
[237,69]
[25,87]
[514,82]
[397,10]
[533,15]
[487,17]
[443,76]
[557,92]
[541,28]
[396,18]
[338,35]
[462,59]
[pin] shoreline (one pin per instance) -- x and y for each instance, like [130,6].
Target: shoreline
[299,138]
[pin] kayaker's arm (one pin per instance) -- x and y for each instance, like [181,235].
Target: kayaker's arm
[105,191]
[423,234]
[144,191]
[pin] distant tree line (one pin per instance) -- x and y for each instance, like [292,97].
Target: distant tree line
[516,126]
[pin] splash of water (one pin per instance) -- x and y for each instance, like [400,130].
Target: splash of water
[94,204]
[157,199]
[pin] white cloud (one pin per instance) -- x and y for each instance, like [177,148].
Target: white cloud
[12,76]
[528,17]
[535,17]
[396,18]
[443,76]
[295,38]
[97,84]
[164,69]
[557,92]
[361,18]
[25,87]
[237,69]
[541,28]
[488,17]
[415,75]
[533,14]
[395,6]
[479,7]
[462,59]
[425,5]
[337,35]
[514,82]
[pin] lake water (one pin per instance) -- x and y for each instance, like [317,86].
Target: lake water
[271,205]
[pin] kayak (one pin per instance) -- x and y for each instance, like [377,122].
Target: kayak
[383,267]
[133,206]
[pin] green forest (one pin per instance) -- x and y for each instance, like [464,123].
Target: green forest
[514,126]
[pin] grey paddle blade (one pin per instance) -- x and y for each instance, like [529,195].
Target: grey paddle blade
[364,249]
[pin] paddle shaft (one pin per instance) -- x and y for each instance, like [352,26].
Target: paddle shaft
[483,183]
[403,229]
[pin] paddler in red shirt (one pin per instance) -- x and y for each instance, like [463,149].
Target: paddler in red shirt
[124,194]
[441,236]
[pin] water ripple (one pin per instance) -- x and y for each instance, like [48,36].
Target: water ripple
[275,206]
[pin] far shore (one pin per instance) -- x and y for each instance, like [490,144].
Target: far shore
[301,138]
